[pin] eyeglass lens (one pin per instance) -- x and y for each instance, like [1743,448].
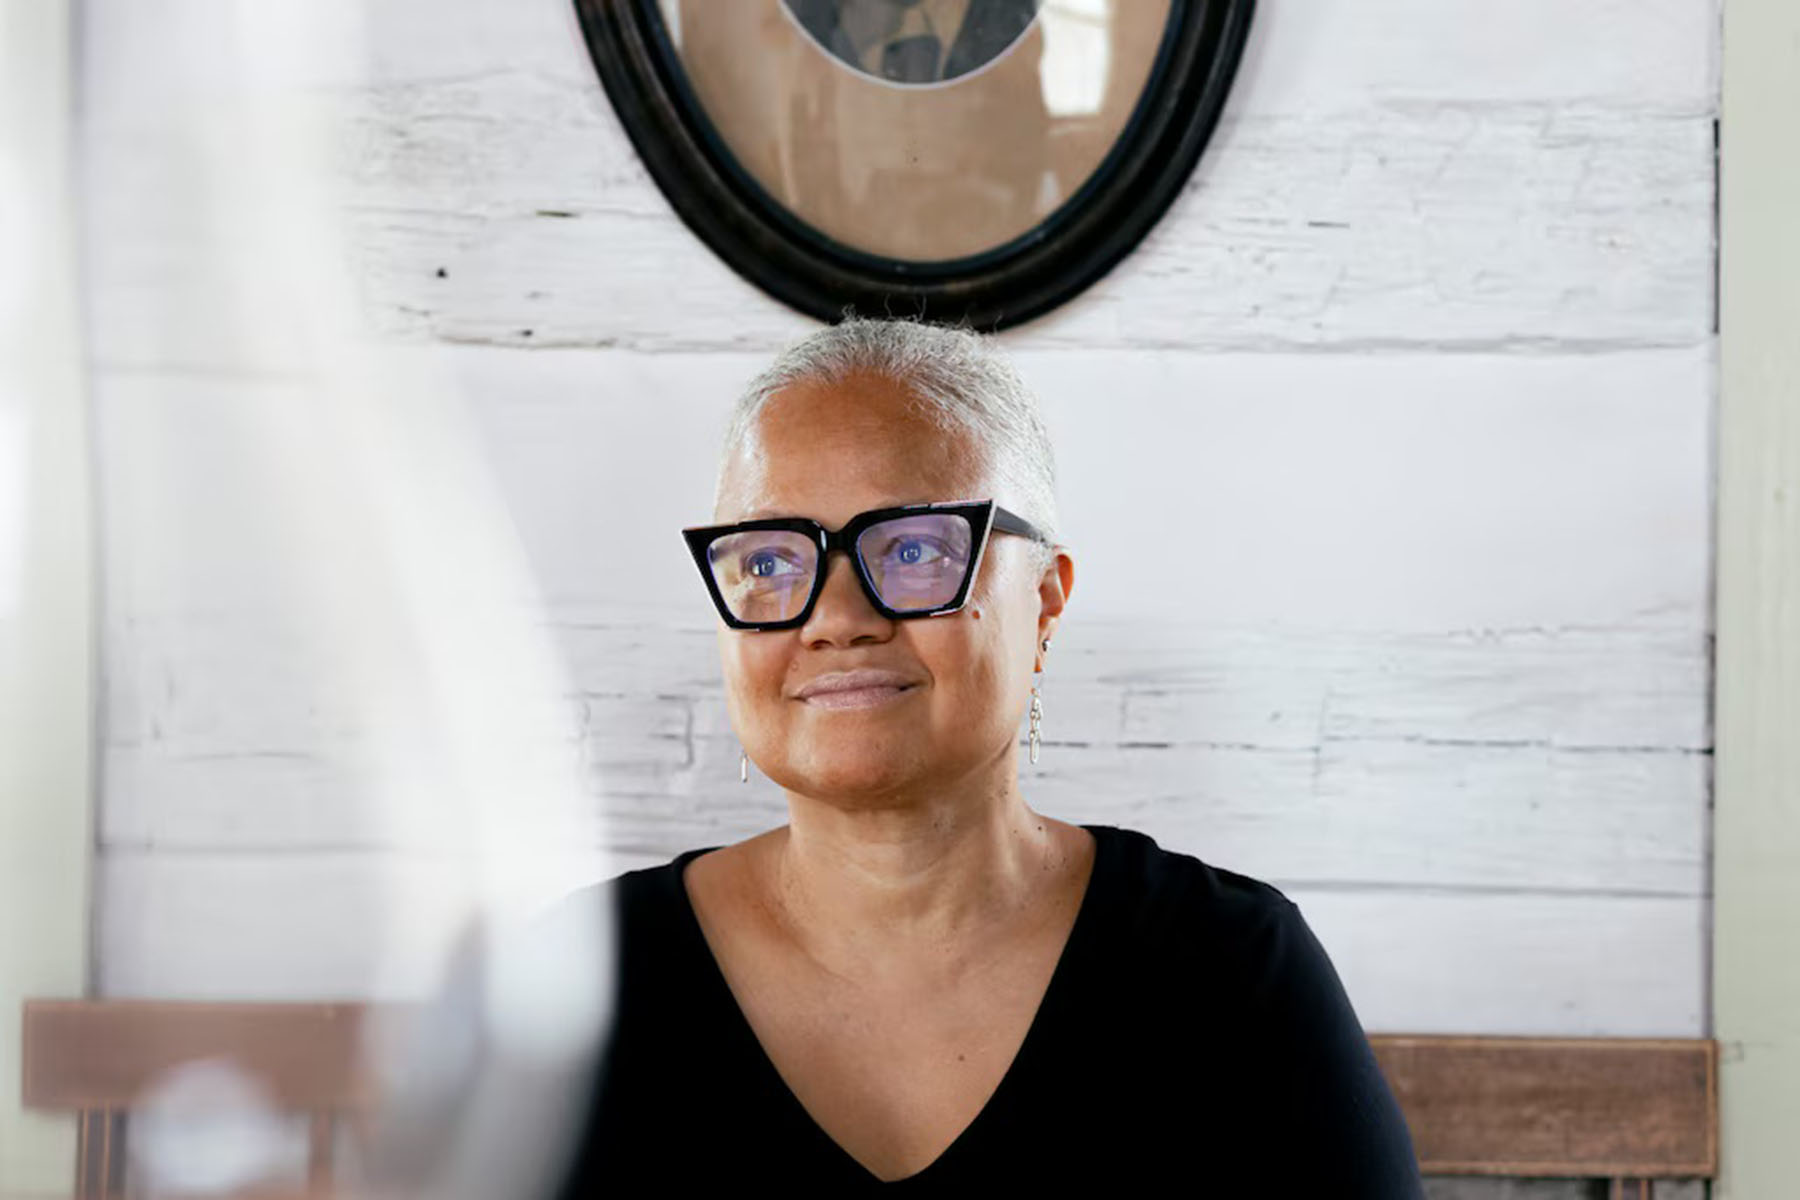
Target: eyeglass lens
[916,563]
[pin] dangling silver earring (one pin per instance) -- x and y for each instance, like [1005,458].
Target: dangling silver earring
[743,765]
[1037,721]
[1035,734]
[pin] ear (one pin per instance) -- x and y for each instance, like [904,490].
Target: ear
[1054,586]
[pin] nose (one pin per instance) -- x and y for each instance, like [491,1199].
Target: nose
[843,615]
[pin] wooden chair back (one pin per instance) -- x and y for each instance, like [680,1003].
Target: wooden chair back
[99,1059]
[1622,1109]
[1625,1109]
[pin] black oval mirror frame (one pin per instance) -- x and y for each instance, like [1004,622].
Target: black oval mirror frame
[1027,277]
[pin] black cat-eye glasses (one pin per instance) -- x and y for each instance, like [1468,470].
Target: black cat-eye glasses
[917,560]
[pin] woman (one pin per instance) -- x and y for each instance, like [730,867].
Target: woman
[919,982]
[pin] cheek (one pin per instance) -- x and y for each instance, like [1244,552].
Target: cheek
[973,667]
[1005,631]
[756,670]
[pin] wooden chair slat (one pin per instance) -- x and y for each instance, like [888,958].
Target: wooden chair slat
[104,1054]
[1595,1107]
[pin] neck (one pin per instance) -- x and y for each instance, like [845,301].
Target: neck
[870,890]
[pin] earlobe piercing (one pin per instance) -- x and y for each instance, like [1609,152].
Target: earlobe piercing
[743,765]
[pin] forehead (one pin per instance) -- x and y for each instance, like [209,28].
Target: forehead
[829,451]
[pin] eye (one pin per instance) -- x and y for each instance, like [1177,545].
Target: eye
[765,564]
[915,551]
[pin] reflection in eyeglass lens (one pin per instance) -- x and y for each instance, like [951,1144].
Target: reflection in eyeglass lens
[917,562]
[764,574]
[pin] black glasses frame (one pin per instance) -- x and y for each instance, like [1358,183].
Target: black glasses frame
[984,516]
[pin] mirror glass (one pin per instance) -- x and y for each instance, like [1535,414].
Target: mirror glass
[920,130]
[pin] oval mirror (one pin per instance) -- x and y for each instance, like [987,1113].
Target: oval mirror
[979,160]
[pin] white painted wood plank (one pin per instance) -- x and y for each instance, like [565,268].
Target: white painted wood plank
[1321,55]
[1305,55]
[1432,492]
[1573,690]
[1518,226]
[346,926]
[1559,966]
[1522,227]
[509,210]
[1390,815]
[1294,689]
[1404,815]
[278,926]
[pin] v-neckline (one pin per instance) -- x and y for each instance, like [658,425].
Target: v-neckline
[1075,948]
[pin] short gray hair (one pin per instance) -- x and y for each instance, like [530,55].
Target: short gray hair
[962,380]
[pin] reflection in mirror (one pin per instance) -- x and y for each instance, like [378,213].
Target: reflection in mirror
[925,131]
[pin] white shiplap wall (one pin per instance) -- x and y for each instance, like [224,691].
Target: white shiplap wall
[1423,357]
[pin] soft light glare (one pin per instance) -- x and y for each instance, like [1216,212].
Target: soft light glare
[1077,55]
[393,558]
[204,1129]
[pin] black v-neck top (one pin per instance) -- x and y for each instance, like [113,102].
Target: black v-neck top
[1193,1036]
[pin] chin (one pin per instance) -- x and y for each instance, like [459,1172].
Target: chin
[858,783]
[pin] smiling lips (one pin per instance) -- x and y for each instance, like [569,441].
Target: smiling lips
[853,689]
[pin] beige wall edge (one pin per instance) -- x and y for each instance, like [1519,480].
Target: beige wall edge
[1756,852]
[46,595]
